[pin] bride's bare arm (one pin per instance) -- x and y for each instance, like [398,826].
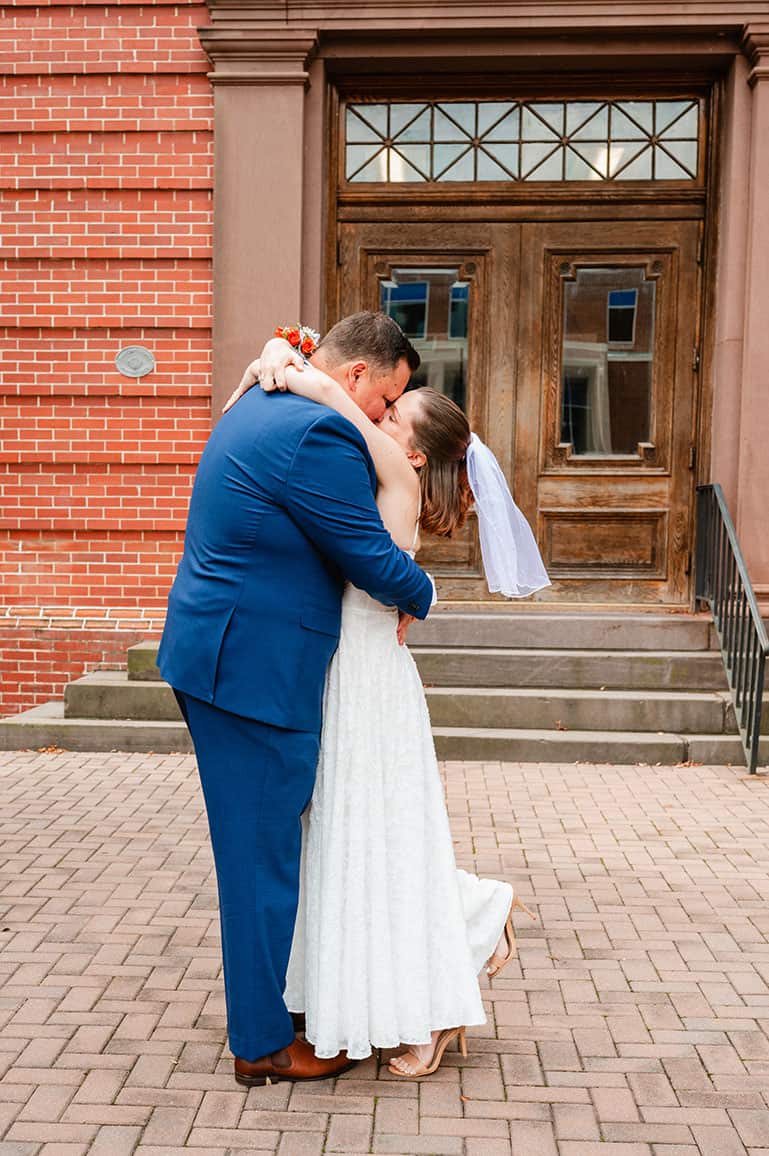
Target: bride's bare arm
[393,469]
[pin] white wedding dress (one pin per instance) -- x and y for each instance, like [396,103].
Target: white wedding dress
[390,935]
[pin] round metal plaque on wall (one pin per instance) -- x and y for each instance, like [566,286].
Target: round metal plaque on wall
[135,361]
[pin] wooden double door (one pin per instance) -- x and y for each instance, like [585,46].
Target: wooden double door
[572,346]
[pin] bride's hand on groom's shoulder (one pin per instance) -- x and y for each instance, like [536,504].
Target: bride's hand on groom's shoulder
[249,378]
[269,370]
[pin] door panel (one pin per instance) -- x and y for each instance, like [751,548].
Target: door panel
[605,415]
[451,287]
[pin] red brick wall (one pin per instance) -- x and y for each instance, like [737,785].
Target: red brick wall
[105,197]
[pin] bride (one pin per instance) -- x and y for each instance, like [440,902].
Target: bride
[390,935]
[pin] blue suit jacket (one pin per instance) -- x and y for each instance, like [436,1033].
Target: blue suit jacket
[282,511]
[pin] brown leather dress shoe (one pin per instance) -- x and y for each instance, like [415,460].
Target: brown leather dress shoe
[302,1064]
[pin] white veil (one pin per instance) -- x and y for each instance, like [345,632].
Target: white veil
[511,559]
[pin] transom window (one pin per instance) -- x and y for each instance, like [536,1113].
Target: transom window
[573,140]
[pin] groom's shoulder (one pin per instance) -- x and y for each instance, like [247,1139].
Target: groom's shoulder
[298,416]
[289,421]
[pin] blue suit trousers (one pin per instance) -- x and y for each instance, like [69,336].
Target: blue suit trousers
[257,779]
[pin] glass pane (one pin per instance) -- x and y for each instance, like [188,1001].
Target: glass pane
[402,115]
[639,169]
[665,168]
[489,168]
[550,169]
[417,130]
[416,155]
[595,155]
[533,155]
[507,129]
[578,169]
[684,152]
[431,305]
[684,128]
[490,112]
[551,115]
[463,115]
[463,170]
[533,128]
[401,170]
[503,154]
[358,155]
[623,128]
[622,154]
[607,361]
[586,120]
[445,155]
[375,171]
[667,111]
[358,130]
[445,129]
[640,112]
[375,114]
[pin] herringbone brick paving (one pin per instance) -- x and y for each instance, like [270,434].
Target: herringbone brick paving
[636,1023]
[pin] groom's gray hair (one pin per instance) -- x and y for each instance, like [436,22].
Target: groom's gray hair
[374,337]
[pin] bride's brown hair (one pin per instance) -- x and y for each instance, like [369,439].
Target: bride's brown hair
[442,433]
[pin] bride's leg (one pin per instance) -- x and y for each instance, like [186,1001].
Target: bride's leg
[507,949]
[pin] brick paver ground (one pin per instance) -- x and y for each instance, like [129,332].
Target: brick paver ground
[637,1022]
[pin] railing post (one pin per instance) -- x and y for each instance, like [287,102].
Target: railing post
[721,580]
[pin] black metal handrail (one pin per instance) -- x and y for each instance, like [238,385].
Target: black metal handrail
[721,580]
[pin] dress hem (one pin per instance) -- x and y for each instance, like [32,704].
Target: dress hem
[390,1043]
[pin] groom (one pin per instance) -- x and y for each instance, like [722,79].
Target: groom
[282,512]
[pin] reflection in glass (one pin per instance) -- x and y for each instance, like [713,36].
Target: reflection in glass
[607,361]
[431,306]
[408,305]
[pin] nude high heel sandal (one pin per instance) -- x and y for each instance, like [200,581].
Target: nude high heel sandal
[419,1068]
[498,963]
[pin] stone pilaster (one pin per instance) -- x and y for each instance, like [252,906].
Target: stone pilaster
[754,423]
[259,76]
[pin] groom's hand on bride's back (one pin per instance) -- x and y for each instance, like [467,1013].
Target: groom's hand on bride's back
[404,621]
[269,369]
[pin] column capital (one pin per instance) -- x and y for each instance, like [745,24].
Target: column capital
[246,52]
[755,45]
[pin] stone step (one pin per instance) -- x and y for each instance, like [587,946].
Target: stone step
[619,747]
[111,695]
[447,627]
[580,631]
[538,667]
[615,670]
[141,661]
[46,726]
[684,712]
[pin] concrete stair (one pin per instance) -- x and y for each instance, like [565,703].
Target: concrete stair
[507,684]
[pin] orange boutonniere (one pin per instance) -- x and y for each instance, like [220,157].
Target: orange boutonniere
[300,336]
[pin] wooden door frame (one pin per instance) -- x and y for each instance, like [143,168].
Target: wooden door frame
[524,202]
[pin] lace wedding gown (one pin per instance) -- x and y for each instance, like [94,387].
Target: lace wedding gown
[390,935]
